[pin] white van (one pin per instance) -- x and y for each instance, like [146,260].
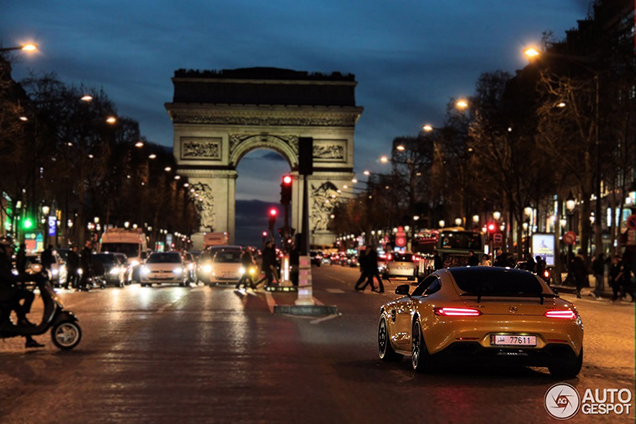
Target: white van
[132,243]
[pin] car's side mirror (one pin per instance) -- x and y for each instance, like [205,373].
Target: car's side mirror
[402,290]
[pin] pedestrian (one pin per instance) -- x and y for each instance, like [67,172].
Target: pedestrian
[363,262]
[485,260]
[540,267]
[47,258]
[247,263]
[21,260]
[501,260]
[268,264]
[473,260]
[598,269]
[531,265]
[86,265]
[373,268]
[438,263]
[615,277]
[579,272]
[11,290]
[626,282]
[72,268]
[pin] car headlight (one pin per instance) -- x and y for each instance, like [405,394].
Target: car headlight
[207,269]
[134,262]
[241,270]
[80,271]
[178,270]
[144,270]
[190,266]
[252,270]
[115,270]
[55,271]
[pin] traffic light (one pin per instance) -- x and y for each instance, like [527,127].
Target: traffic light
[272,219]
[27,223]
[492,228]
[286,190]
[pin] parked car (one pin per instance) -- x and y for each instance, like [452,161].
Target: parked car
[162,268]
[400,265]
[485,315]
[59,274]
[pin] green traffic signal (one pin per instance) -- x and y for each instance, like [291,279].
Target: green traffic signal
[27,223]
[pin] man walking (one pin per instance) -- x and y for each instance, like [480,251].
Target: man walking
[473,260]
[47,258]
[363,261]
[72,266]
[86,263]
[598,269]
[579,272]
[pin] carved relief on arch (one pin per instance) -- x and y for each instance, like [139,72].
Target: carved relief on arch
[324,202]
[285,145]
[201,194]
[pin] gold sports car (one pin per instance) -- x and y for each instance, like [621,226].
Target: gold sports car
[482,314]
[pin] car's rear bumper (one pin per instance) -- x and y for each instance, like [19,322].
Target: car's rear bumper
[478,354]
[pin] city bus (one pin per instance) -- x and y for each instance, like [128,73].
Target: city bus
[454,244]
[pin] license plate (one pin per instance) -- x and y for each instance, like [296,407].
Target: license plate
[512,340]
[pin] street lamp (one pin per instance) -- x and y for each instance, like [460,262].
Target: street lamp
[570,204]
[45,210]
[475,219]
[458,222]
[461,104]
[29,47]
[441,223]
[496,215]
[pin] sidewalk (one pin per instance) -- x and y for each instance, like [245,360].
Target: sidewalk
[607,293]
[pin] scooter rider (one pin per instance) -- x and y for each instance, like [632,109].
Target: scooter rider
[10,289]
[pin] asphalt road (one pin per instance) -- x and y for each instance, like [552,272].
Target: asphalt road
[202,355]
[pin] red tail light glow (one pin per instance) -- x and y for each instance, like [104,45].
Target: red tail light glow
[389,258]
[546,273]
[413,258]
[457,312]
[563,314]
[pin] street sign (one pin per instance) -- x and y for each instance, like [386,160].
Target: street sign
[52,221]
[569,237]
[497,239]
[631,222]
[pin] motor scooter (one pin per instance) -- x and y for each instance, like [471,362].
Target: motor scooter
[65,331]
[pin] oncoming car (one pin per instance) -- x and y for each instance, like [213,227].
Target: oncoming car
[482,315]
[226,266]
[164,267]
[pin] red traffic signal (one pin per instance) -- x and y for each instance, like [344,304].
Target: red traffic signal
[273,212]
[286,190]
[492,227]
[287,180]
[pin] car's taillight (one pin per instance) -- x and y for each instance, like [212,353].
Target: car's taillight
[413,258]
[563,314]
[457,312]
[389,258]
[546,273]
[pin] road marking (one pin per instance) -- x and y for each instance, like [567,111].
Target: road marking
[337,279]
[270,302]
[328,317]
[335,291]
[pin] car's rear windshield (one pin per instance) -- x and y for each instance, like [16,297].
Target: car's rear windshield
[164,258]
[129,249]
[228,256]
[403,257]
[496,282]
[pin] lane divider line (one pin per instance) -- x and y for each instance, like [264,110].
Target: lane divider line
[270,302]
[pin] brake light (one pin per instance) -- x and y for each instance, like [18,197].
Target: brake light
[563,314]
[413,258]
[389,258]
[457,312]
[546,274]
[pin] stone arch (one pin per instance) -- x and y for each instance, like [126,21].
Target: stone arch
[286,146]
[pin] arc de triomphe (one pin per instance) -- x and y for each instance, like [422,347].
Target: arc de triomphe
[220,116]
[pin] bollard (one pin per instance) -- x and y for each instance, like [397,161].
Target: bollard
[305,294]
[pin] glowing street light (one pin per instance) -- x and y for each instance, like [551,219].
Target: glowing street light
[367,173]
[427,128]
[29,48]
[139,144]
[384,159]
[531,52]
[461,104]
[111,120]
[152,156]
[86,98]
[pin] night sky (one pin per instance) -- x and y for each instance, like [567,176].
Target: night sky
[409,58]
